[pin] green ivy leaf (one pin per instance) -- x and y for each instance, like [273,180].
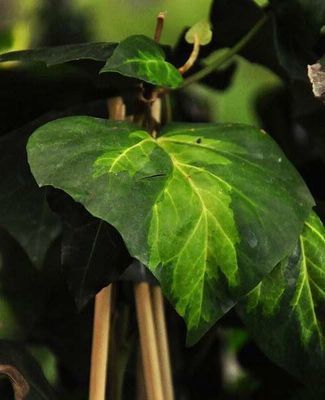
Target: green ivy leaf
[285,312]
[141,57]
[61,54]
[209,208]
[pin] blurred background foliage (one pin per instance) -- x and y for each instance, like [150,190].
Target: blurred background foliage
[225,364]
[31,23]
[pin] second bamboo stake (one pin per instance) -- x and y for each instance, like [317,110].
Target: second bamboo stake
[149,348]
[99,354]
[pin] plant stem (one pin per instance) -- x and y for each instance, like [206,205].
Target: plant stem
[192,58]
[228,55]
[159,26]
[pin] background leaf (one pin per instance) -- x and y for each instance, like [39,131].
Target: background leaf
[140,57]
[61,54]
[203,206]
[290,39]
[93,253]
[24,211]
[232,20]
[298,26]
[285,312]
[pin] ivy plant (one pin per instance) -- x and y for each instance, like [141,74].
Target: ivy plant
[216,211]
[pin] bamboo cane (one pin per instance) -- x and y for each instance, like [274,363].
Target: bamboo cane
[103,306]
[99,355]
[141,390]
[149,347]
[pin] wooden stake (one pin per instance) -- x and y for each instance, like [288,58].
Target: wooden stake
[103,305]
[116,108]
[99,355]
[149,348]
[162,342]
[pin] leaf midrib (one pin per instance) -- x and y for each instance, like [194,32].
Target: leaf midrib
[218,151]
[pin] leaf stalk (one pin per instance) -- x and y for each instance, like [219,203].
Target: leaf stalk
[228,55]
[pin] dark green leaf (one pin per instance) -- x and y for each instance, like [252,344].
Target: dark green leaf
[290,38]
[298,30]
[26,374]
[142,58]
[286,311]
[62,328]
[6,39]
[93,253]
[61,54]
[209,208]
[24,212]
[223,15]
[20,287]
[232,20]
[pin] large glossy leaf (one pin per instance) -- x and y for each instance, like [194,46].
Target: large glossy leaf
[140,57]
[285,312]
[24,372]
[61,54]
[210,209]
[24,212]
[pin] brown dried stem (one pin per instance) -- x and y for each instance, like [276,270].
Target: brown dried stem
[159,26]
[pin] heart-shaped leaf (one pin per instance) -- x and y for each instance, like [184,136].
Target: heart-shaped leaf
[286,310]
[61,54]
[210,209]
[141,57]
